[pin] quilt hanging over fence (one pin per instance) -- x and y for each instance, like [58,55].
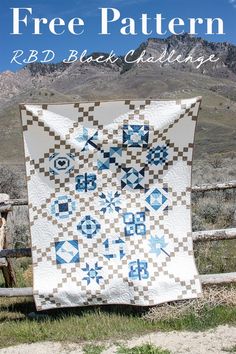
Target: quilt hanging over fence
[109,189]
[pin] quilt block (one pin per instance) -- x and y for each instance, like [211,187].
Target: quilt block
[109,189]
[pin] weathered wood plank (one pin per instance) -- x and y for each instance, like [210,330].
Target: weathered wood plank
[9,274]
[16,253]
[206,279]
[3,261]
[214,235]
[17,292]
[6,242]
[6,206]
[221,278]
[214,187]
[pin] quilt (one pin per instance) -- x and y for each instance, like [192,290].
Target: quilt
[109,191]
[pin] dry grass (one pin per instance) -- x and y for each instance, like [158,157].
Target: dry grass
[28,276]
[213,296]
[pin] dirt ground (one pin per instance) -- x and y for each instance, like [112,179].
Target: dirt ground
[207,342]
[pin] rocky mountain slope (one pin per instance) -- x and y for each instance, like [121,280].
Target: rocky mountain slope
[216,82]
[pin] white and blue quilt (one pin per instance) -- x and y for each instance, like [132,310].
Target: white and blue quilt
[109,189]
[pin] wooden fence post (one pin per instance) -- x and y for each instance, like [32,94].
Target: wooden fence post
[6,264]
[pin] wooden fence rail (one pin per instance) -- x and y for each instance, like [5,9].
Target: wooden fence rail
[214,235]
[211,235]
[214,187]
[7,205]
[206,279]
[198,236]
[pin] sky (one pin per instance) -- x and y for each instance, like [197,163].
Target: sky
[89,11]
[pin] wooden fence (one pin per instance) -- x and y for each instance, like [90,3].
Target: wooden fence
[6,237]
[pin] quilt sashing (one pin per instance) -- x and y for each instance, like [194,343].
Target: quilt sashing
[109,190]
